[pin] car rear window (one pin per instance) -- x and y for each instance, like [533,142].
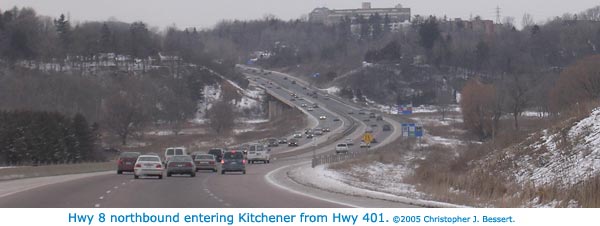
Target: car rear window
[205,157]
[215,152]
[170,151]
[233,155]
[149,159]
[341,145]
[129,155]
[181,158]
[178,151]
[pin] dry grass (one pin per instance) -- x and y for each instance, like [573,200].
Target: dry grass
[53,170]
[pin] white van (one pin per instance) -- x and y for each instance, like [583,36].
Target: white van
[258,153]
[174,151]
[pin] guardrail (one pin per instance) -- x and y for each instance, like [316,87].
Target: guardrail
[332,158]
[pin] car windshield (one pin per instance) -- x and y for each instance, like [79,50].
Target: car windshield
[149,159]
[233,155]
[205,156]
[130,154]
[181,158]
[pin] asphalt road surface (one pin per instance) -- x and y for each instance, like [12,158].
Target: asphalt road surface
[213,190]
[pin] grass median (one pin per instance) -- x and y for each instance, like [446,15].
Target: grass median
[54,170]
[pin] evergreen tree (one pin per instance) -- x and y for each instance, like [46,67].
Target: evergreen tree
[84,138]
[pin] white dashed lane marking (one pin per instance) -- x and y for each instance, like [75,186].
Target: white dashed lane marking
[101,197]
[97,205]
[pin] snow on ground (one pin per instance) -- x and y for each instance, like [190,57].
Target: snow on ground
[7,167]
[254,121]
[558,162]
[329,180]
[332,90]
[534,114]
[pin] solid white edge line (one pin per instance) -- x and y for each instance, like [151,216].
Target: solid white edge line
[270,180]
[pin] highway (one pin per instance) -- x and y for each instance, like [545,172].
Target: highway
[264,185]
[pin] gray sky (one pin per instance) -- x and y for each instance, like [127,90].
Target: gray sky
[206,13]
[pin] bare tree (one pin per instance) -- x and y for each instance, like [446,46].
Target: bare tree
[518,97]
[221,117]
[124,115]
[527,20]
[444,99]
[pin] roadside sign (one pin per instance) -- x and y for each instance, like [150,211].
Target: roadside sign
[412,130]
[367,138]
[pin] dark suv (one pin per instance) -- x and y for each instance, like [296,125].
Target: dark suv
[217,152]
[233,161]
[126,162]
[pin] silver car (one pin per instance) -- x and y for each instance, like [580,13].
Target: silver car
[205,162]
[148,165]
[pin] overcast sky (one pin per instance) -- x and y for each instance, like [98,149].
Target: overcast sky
[206,13]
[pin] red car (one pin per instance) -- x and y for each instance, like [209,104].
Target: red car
[126,162]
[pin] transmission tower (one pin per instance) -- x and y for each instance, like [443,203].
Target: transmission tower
[497,14]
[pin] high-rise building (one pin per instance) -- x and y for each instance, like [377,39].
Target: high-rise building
[328,16]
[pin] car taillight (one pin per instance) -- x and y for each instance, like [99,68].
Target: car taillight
[138,165]
[188,164]
[212,162]
[222,161]
[244,161]
[120,162]
[158,166]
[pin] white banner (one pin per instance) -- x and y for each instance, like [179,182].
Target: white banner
[313,217]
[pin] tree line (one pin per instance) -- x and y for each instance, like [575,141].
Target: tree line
[123,76]
[46,137]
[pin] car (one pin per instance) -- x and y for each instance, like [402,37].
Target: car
[309,136]
[277,87]
[336,119]
[284,78]
[233,161]
[126,161]
[193,155]
[205,162]
[309,109]
[304,88]
[181,164]
[349,141]
[283,140]
[148,165]
[294,82]
[386,127]
[298,134]
[303,105]
[379,118]
[326,129]
[292,99]
[374,141]
[307,131]
[318,132]
[374,125]
[361,112]
[350,112]
[322,117]
[174,151]
[364,145]
[259,153]
[372,115]
[217,152]
[315,105]
[293,142]
[272,142]
[341,148]
[366,120]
